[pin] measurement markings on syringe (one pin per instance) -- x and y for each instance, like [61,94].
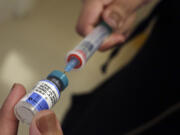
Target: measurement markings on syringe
[86,47]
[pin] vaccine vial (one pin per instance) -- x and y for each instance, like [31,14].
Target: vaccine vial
[44,95]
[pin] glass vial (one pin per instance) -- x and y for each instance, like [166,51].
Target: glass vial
[43,96]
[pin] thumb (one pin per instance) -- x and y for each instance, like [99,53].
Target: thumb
[8,121]
[45,123]
[119,10]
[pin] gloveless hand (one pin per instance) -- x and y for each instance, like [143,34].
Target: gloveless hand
[44,123]
[118,14]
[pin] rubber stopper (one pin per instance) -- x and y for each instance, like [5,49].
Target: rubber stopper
[61,76]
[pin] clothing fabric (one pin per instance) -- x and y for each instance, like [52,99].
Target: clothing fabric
[143,92]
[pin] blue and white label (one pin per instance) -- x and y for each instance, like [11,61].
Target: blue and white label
[43,96]
[38,101]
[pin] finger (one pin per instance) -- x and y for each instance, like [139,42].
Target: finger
[112,41]
[118,11]
[45,123]
[120,35]
[8,121]
[128,26]
[90,15]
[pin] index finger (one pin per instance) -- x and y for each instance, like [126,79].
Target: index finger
[8,121]
[90,15]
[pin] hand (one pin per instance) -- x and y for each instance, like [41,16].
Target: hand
[118,14]
[44,123]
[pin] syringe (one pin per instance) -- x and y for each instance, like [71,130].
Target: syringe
[77,58]
[47,91]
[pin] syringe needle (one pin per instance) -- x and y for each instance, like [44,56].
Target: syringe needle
[71,64]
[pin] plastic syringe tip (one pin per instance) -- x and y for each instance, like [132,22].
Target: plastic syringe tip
[71,64]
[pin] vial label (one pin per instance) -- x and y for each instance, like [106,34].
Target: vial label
[43,96]
[38,101]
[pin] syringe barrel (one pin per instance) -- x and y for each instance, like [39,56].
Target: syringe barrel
[89,45]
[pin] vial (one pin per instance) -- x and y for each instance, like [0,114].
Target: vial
[44,95]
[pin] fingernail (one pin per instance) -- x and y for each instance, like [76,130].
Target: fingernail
[14,85]
[114,19]
[47,124]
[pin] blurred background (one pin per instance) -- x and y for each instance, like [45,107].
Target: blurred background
[35,36]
